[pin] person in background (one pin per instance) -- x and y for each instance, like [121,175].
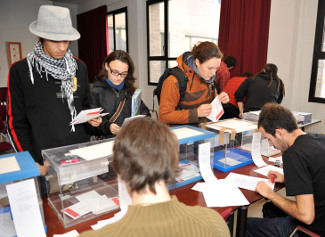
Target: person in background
[113,90]
[231,88]
[223,72]
[304,177]
[145,156]
[199,66]
[263,88]
[47,89]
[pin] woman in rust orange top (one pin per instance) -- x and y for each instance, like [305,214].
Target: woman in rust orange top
[199,66]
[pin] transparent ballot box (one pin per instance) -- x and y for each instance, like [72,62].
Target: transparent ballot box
[232,138]
[20,202]
[80,183]
[189,138]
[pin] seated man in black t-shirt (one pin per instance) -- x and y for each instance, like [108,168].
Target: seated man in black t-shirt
[304,177]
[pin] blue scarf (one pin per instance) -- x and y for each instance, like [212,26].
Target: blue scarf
[118,88]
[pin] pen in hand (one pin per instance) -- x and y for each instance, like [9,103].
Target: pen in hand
[272,177]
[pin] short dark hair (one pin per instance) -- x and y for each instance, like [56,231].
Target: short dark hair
[204,51]
[125,58]
[230,61]
[145,151]
[274,116]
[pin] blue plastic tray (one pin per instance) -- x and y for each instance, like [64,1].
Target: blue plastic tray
[243,157]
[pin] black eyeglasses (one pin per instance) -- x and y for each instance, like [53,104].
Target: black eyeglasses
[116,73]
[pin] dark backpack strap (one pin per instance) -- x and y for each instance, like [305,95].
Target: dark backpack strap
[182,80]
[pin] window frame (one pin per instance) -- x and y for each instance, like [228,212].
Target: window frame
[318,54]
[163,58]
[113,13]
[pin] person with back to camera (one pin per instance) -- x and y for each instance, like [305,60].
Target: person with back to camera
[113,91]
[231,88]
[199,66]
[145,156]
[223,72]
[263,88]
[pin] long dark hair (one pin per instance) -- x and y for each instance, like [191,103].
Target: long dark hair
[125,58]
[272,70]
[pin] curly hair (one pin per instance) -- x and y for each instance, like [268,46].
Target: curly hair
[125,58]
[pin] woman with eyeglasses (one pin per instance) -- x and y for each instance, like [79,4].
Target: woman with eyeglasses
[113,90]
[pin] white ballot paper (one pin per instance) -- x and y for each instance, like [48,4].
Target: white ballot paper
[133,117]
[123,194]
[217,110]
[95,151]
[25,209]
[72,233]
[223,194]
[265,170]
[273,159]
[256,150]
[246,181]
[118,216]
[77,210]
[186,132]
[204,163]
[217,193]
[88,114]
[8,164]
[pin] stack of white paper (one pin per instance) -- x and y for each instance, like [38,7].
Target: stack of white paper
[91,202]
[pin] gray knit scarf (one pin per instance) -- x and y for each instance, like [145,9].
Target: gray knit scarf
[60,69]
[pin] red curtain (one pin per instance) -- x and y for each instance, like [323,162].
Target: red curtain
[92,43]
[244,33]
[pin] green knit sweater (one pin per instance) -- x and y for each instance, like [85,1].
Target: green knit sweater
[170,218]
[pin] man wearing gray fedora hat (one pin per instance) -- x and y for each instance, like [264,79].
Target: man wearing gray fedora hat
[47,89]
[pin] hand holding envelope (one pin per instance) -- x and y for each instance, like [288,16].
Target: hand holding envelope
[88,114]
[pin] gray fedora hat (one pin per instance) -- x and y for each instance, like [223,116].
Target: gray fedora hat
[54,23]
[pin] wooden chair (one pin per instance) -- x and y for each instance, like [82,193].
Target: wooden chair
[304,230]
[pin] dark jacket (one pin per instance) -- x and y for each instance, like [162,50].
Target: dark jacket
[258,93]
[38,118]
[106,97]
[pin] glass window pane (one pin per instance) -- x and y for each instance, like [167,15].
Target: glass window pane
[110,33]
[156,68]
[120,31]
[156,29]
[186,27]
[172,63]
[320,83]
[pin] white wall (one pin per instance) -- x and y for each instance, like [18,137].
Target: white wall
[15,18]
[291,40]
[291,44]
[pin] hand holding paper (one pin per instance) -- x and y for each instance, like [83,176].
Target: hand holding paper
[217,110]
[263,188]
[88,114]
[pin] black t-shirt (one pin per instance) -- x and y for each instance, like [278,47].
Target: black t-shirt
[304,170]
